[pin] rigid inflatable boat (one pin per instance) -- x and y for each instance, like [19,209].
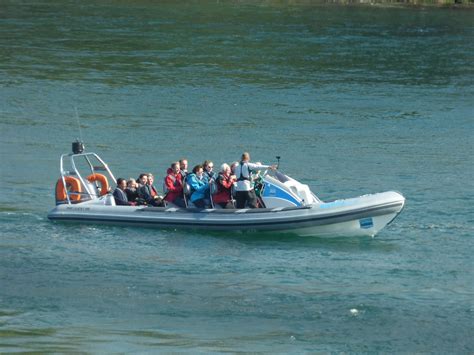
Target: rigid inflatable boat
[83,195]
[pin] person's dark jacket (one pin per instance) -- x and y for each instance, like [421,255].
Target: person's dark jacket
[132,195]
[121,198]
[147,193]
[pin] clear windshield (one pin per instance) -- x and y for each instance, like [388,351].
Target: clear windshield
[281,177]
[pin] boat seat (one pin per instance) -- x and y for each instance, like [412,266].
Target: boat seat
[232,196]
[92,189]
[212,191]
[187,194]
[171,205]
[213,188]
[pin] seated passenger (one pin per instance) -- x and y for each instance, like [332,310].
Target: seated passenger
[174,186]
[233,166]
[199,188]
[131,190]
[159,200]
[142,180]
[119,194]
[225,180]
[183,167]
[208,172]
[151,179]
[148,192]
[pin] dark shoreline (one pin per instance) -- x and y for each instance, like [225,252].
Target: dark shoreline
[454,4]
[409,3]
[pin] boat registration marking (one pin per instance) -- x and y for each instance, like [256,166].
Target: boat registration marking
[82,209]
[366,223]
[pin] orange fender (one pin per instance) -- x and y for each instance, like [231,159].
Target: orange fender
[104,183]
[73,185]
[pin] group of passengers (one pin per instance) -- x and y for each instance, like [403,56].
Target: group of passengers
[206,187]
[137,192]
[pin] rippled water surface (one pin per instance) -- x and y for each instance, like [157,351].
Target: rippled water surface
[355,100]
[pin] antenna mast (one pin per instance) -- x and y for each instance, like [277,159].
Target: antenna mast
[78,124]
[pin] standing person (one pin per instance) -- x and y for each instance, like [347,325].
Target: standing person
[183,167]
[245,193]
[200,188]
[208,172]
[225,180]
[174,185]
[119,194]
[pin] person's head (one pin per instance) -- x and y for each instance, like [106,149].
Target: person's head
[150,178]
[131,183]
[143,178]
[175,167]
[198,170]
[225,169]
[208,165]
[183,164]
[245,156]
[121,183]
[233,166]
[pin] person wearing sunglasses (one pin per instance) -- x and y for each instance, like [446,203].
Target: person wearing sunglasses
[209,173]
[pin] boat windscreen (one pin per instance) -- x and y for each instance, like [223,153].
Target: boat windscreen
[281,177]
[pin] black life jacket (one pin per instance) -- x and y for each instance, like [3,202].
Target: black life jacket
[241,177]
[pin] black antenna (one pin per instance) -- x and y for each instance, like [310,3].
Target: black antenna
[78,145]
[78,124]
[278,159]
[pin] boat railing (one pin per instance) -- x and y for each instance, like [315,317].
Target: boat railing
[92,164]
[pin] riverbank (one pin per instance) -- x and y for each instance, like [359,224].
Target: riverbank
[435,3]
[383,3]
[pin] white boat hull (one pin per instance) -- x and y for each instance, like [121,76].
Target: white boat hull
[361,216]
